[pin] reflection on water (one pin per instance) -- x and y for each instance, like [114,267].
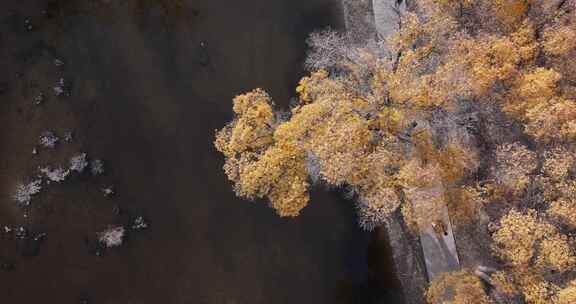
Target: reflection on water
[149,81]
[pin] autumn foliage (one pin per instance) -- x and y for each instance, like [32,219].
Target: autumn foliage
[470,105]
[462,286]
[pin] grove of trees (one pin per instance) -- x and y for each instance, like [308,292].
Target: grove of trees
[471,104]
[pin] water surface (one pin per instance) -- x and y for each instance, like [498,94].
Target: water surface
[149,83]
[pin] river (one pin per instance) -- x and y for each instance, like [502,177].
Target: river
[149,82]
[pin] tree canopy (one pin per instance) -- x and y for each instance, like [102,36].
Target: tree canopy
[471,104]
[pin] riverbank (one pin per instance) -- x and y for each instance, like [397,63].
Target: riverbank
[365,20]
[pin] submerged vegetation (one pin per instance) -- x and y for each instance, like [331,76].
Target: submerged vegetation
[470,105]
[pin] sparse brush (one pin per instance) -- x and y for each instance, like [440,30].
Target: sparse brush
[25,192]
[112,237]
[78,163]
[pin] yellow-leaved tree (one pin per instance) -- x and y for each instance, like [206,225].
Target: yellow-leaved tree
[470,105]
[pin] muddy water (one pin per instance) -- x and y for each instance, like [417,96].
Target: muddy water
[149,82]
